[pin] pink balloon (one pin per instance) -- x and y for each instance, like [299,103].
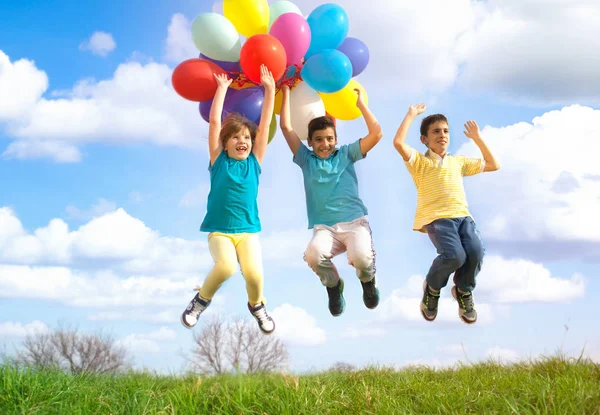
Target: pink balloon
[292,30]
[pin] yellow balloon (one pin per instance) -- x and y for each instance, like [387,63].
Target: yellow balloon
[342,104]
[249,17]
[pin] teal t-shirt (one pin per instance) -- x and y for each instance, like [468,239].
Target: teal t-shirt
[232,206]
[331,185]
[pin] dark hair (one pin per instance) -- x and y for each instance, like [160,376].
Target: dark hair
[431,119]
[320,123]
[233,124]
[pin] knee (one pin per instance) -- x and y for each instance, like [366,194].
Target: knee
[476,253]
[314,257]
[456,258]
[226,268]
[362,261]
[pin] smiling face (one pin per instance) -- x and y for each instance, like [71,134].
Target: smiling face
[437,138]
[239,145]
[323,142]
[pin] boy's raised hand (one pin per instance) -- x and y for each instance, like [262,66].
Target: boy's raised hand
[359,98]
[223,80]
[266,77]
[472,130]
[416,109]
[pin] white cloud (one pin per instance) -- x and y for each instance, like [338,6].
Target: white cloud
[546,193]
[149,342]
[179,45]
[502,355]
[101,208]
[21,86]
[100,43]
[296,327]
[9,329]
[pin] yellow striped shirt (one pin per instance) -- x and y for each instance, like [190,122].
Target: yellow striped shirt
[440,190]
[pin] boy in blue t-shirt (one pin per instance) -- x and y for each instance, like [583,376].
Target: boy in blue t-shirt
[336,213]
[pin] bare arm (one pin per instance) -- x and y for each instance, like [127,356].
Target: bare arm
[214,119]
[262,135]
[374,134]
[400,138]
[472,131]
[285,121]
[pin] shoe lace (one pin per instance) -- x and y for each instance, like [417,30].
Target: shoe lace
[466,301]
[261,315]
[433,298]
[197,308]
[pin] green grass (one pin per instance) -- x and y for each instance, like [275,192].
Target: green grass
[550,386]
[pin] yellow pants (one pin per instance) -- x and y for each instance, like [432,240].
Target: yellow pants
[227,250]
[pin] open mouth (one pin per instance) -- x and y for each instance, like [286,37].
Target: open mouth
[241,148]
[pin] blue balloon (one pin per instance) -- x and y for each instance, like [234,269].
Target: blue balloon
[327,71]
[357,52]
[231,67]
[328,28]
[247,102]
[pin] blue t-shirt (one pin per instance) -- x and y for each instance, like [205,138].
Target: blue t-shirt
[232,205]
[331,185]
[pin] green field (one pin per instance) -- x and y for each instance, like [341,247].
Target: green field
[549,386]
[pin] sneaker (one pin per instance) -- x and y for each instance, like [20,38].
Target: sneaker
[466,306]
[429,303]
[265,322]
[370,293]
[336,298]
[190,315]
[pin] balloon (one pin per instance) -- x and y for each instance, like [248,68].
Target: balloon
[342,104]
[247,102]
[305,104]
[205,109]
[294,34]
[328,26]
[249,17]
[281,7]
[332,118]
[262,49]
[272,128]
[357,52]
[216,37]
[193,79]
[327,71]
[231,67]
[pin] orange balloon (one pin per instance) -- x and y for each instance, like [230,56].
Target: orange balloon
[262,49]
[193,79]
[332,118]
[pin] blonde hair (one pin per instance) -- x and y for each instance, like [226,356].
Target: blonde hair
[233,124]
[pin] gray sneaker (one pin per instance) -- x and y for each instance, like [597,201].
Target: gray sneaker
[466,306]
[429,303]
[192,312]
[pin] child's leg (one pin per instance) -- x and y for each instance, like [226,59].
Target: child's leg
[451,255]
[322,247]
[359,245]
[249,255]
[464,277]
[222,250]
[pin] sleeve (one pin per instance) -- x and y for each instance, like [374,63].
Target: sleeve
[414,162]
[472,166]
[217,162]
[302,155]
[255,162]
[354,152]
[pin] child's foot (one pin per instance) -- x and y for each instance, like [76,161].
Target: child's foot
[466,305]
[370,293]
[190,315]
[336,298]
[265,322]
[429,303]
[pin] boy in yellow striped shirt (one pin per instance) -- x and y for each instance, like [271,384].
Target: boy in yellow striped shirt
[442,209]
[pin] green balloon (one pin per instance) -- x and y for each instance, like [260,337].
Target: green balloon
[272,128]
[215,36]
[280,7]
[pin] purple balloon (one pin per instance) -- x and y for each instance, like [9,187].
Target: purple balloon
[247,102]
[357,52]
[226,66]
[205,109]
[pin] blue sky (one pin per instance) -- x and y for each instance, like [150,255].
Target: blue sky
[104,182]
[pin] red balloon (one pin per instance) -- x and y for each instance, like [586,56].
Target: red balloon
[332,118]
[262,49]
[193,79]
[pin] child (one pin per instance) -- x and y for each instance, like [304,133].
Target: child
[442,210]
[336,213]
[236,153]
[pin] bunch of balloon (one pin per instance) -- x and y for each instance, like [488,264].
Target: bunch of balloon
[313,56]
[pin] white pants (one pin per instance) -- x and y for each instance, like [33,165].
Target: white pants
[329,241]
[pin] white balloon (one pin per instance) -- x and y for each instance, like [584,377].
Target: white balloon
[305,105]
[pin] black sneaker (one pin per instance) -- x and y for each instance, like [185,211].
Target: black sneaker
[429,303]
[265,322]
[336,298]
[370,293]
[190,315]
[466,306]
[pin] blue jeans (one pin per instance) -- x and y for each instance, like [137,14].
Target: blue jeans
[459,249]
